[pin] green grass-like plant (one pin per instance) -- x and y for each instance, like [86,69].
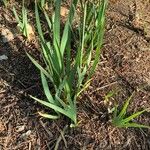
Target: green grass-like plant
[121,120]
[22,20]
[68,73]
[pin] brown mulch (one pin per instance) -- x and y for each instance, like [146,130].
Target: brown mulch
[124,68]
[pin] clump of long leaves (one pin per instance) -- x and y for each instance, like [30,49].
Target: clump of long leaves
[121,120]
[69,74]
[22,20]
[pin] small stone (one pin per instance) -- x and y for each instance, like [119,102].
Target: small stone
[20,128]
[2,128]
[64,11]
[25,135]
[3,57]
[7,35]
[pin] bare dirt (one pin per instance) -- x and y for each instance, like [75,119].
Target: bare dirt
[124,68]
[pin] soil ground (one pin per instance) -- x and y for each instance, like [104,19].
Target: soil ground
[124,68]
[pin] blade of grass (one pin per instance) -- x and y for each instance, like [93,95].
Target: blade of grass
[38,22]
[17,17]
[135,125]
[56,27]
[39,67]
[133,116]
[46,89]
[48,116]
[25,21]
[124,109]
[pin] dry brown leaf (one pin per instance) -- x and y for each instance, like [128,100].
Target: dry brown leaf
[64,11]
[31,33]
[2,128]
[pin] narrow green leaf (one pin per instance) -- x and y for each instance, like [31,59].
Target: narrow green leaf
[39,28]
[42,3]
[48,20]
[115,112]
[83,33]
[124,109]
[25,22]
[51,60]
[61,102]
[56,27]
[39,67]
[135,125]
[17,17]
[48,116]
[46,89]
[84,87]
[133,116]
[65,38]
